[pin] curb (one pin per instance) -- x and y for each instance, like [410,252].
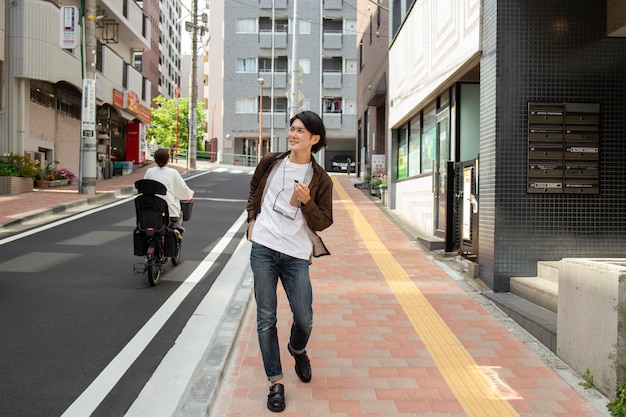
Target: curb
[98,199]
[205,384]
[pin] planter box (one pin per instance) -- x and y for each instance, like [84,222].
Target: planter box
[591,324]
[51,184]
[15,185]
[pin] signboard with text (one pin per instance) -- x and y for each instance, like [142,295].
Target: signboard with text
[69,27]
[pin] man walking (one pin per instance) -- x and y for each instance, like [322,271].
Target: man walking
[290,199]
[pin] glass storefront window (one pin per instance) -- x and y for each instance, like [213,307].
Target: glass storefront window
[402,153]
[414,146]
[428,139]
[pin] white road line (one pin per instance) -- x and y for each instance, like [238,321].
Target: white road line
[89,400]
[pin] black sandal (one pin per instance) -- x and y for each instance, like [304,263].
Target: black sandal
[276,398]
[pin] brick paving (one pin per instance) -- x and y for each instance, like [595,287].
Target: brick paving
[366,356]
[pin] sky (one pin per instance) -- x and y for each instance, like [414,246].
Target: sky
[186,36]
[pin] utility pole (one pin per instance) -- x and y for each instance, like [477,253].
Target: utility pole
[191,154]
[293,105]
[88,169]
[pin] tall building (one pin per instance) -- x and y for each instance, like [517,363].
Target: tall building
[250,69]
[372,79]
[168,45]
[42,80]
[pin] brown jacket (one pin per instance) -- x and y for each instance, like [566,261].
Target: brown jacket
[318,212]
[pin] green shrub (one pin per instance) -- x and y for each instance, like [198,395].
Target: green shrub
[617,407]
[14,165]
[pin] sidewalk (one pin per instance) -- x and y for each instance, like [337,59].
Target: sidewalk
[397,332]
[17,210]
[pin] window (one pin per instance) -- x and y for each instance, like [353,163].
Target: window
[349,106]
[280,104]
[349,66]
[305,64]
[247,26]
[414,145]
[304,27]
[331,105]
[281,25]
[330,25]
[265,64]
[361,60]
[137,59]
[280,64]
[246,65]
[99,55]
[332,65]
[402,153]
[428,140]
[246,105]
[349,27]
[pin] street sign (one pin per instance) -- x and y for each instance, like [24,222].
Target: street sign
[69,27]
[89,105]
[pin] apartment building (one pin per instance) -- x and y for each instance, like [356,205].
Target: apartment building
[172,15]
[250,70]
[41,82]
[372,80]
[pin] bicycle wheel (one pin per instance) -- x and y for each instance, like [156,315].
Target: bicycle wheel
[176,257]
[153,266]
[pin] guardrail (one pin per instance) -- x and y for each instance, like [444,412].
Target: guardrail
[223,158]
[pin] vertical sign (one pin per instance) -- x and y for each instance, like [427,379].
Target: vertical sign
[89,108]
[69,27]
[378,165]
[466,227]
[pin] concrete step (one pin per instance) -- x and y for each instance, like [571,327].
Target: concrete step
[432,243]
[538,321]
[540,291]
[548,270]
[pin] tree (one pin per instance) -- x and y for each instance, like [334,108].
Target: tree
[164,123]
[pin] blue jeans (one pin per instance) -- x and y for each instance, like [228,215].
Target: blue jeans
[268,266]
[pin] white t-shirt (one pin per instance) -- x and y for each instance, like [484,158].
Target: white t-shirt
[278,231]
[177,188]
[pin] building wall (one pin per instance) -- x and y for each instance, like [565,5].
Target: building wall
[550,52]
[238,127]
[150,62]
[372,58]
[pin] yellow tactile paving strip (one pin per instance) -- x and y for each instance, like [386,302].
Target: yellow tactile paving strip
[470,385]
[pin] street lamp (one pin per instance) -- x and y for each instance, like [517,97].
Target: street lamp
[260,80]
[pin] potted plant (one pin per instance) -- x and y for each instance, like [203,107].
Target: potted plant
[367,182]
[17,173]
[378,185]
[51,176]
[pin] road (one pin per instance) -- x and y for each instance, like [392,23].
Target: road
[70,302]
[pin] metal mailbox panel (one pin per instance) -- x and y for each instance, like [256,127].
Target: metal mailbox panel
[563,148]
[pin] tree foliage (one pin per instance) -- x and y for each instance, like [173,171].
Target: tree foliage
[163,127]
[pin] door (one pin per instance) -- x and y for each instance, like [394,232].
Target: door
[440,176]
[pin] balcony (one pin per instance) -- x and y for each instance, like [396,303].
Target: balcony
[331,79]
[332,40]
[332,120]
[123,22]
[332,4]
[281,79]
[278,4]
[280,40]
